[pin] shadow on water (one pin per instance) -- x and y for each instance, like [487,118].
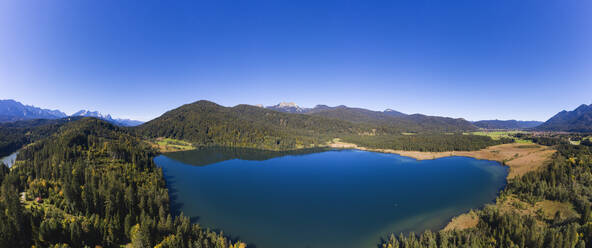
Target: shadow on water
[210,155]
[175,204]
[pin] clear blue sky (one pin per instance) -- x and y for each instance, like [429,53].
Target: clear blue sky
[472,59]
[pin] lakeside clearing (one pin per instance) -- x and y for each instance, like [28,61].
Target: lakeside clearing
[164,145]
[519,157]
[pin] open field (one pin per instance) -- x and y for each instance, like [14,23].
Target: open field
[519,157]
[170,145]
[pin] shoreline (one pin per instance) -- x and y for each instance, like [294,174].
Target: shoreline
[519,158]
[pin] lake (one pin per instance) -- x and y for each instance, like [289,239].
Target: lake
[9,160]
[324,198]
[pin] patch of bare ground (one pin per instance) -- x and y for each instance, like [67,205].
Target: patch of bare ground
[520,158]
[463,221]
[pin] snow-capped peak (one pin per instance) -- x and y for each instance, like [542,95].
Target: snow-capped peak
[95,114]
[287,105]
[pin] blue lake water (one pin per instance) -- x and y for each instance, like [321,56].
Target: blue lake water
[336,198]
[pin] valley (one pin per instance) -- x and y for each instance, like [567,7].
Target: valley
[67,168]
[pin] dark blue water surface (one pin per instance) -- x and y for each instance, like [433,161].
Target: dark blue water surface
[338,198]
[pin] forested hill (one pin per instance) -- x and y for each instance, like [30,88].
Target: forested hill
[507,124]
[358,115]
[391,121]
[14,135]
[578,120]
[92,184]
[207,123]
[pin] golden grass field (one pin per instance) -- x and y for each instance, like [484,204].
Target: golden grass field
[170,145]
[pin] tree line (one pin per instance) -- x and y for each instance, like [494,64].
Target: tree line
[426,142]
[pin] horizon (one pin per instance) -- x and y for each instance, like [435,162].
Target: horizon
[506,60]
[264,106]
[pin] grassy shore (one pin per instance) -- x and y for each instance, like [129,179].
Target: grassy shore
[519,157]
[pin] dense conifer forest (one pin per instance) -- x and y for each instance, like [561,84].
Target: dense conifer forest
[89,184]
[428,142]
[14,135]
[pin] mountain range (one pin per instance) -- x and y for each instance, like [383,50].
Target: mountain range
[577,120]
[118,121]
[11,110]
[207,123]
[389,117]
[290,107]
[387,121]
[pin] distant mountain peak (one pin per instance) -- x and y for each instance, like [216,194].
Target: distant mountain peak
[578,120]
[95,114]
[287,105]
[583,108]
[393,112]
[107,117]
[11,110]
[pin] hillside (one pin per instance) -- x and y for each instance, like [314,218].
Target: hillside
[99,188]
[356,115]
[14,135]
[207,123]
[388,121]
[578,120]
[506,124]
[11,110]
[394,122]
